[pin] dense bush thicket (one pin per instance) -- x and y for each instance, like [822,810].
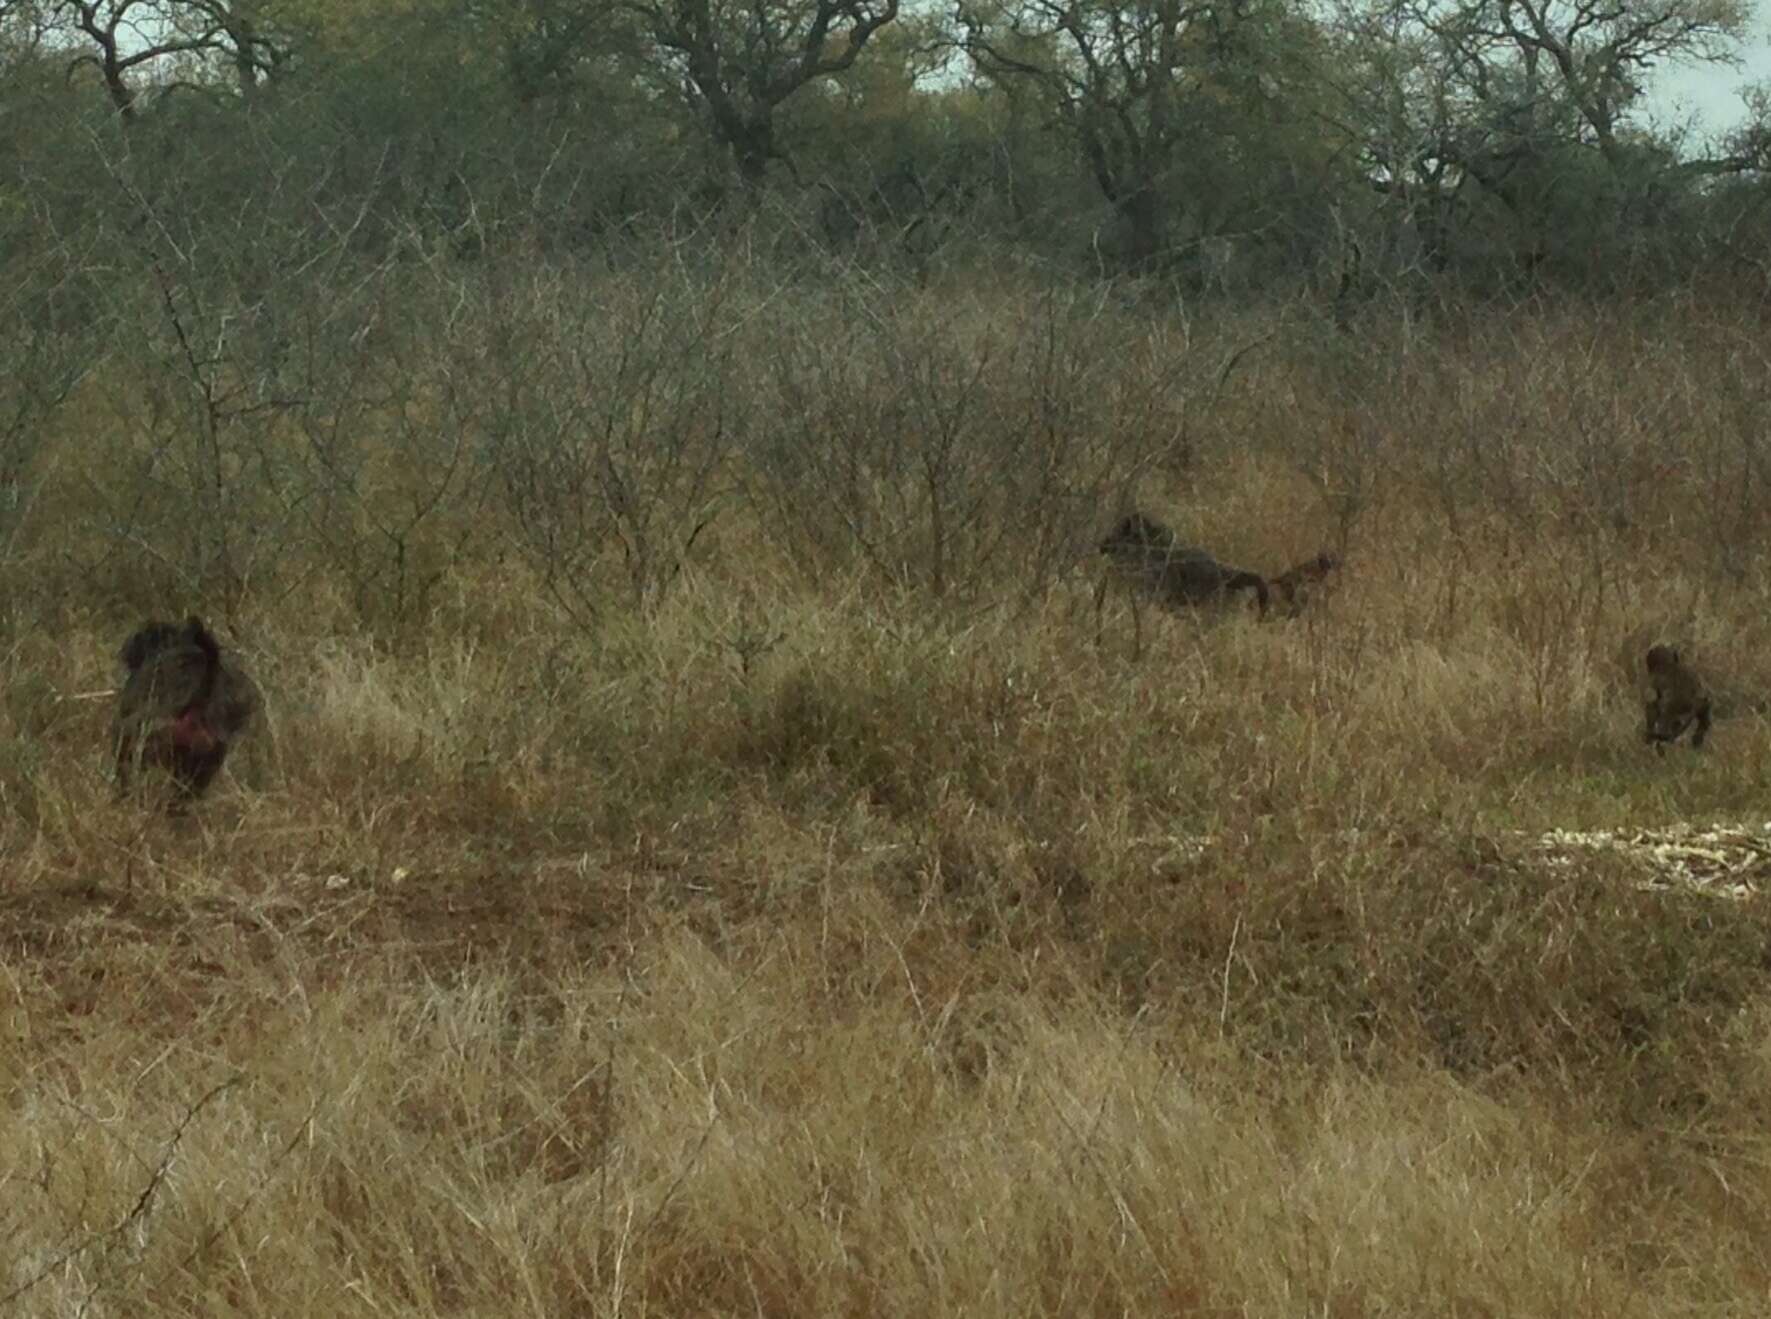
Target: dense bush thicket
[355,294]
[1224,149]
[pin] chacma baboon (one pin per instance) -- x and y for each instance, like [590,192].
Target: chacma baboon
[1147,556]
[182,705]
[1146,552]
[1678,701]
[1297,583]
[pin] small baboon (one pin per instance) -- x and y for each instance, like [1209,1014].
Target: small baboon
[181,707]
[1144,553]
[1678,701]
[1296,584]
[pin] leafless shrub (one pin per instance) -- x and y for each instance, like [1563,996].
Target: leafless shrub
[948,445]
[198,492]
[606,407]
[42,369]
[386,449]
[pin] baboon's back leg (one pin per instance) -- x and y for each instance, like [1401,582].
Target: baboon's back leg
[1703,726]
[1248,581]
[190,781]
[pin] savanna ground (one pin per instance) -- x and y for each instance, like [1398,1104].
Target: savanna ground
[698,860]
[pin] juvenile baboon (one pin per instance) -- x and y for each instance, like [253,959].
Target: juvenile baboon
[1679,700]
[1296,584]
[181,707]
[1145,554]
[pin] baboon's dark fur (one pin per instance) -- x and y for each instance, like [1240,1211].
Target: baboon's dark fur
[182,706]
[1147,554]
[1678,700]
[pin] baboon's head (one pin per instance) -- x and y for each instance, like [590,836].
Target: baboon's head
[1662,659]
[1135,534]
[150,639]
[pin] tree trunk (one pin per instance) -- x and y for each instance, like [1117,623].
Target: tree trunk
[1146,225]
[753,145]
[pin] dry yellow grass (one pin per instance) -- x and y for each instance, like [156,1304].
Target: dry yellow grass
[913,960]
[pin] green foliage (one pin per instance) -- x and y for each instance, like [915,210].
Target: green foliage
[1229,152]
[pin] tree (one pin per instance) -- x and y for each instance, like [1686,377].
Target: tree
[1529,100]
[128,40]
[741,59]
[1591,56]
[1152,92]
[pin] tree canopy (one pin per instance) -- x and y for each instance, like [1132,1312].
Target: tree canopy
[1229,144]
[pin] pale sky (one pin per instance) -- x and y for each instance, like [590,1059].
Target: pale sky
[1711,92]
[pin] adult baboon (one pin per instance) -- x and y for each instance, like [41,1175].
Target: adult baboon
[181,707]
[1678,700]
[1145,554]
[1297,583]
